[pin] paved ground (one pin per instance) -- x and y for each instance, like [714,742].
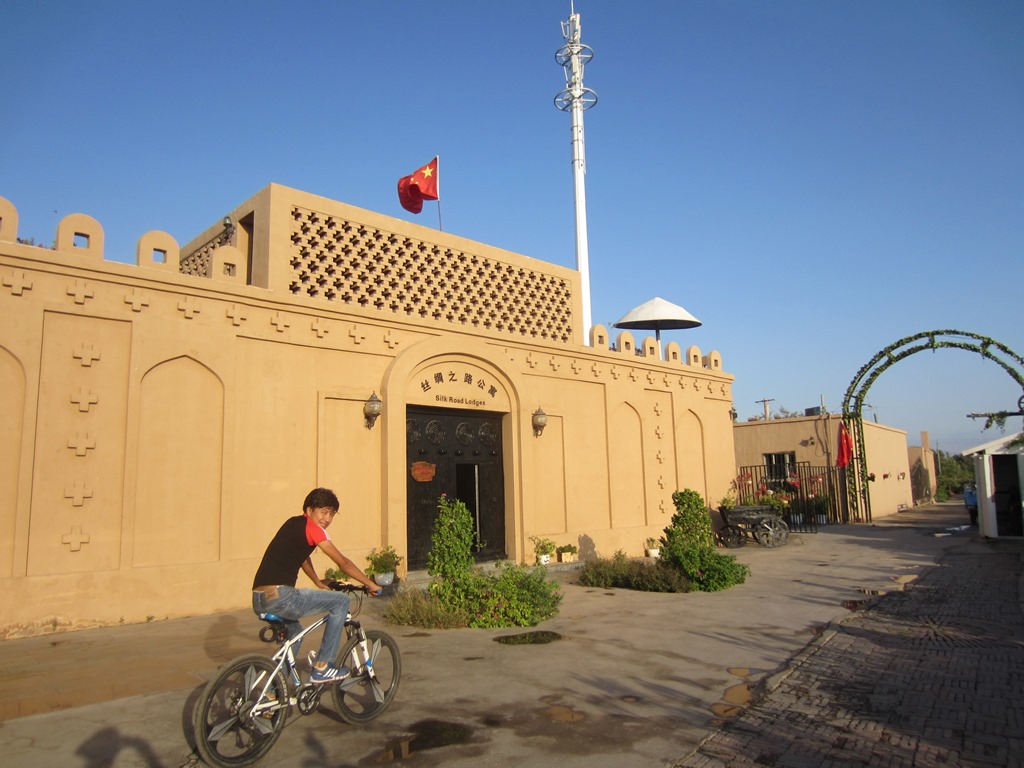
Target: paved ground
[931,676]
[928,673]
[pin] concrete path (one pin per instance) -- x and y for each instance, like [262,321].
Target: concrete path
[638,680]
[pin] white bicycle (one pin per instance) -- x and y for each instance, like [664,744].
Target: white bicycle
[242,711]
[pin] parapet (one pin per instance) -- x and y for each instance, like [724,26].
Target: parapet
[318,250]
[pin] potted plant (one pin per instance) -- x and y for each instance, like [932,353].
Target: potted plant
[652,547]
[567,553]
[543,549]
[383,564]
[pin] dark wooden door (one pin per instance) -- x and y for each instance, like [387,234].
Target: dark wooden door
[457,453]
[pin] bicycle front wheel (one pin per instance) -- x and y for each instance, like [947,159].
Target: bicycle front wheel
[371,687]
[241,712]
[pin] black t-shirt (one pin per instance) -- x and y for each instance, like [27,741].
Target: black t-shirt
[287,551]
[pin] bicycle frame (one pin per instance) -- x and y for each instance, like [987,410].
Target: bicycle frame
[243,710]
[285,657]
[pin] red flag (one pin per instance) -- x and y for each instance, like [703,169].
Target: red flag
[845,453]
[417,187]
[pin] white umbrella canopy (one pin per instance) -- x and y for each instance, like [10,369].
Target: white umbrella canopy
[658,315]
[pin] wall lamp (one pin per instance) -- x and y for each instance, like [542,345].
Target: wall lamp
[372,409]
[539,421]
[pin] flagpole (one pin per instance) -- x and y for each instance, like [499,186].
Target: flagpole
[438,159]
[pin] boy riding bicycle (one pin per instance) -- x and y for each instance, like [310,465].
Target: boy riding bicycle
[274,590]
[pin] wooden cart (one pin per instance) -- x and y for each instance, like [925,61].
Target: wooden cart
[760,523]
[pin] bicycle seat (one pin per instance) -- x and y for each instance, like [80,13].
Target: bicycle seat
[276,629]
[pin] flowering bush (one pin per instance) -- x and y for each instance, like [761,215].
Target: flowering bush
[778,500]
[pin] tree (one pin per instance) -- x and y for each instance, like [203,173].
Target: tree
[954,471]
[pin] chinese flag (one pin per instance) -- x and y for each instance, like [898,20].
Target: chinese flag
[418,186]
[845,453]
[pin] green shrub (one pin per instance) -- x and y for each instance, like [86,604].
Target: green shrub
[514,596]
[620,572]
[691,521]
[419,608]
[688,545]
[451,547]
[517,596]
[708,569]
[459,595]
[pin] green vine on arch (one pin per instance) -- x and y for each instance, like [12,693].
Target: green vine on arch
[853,400]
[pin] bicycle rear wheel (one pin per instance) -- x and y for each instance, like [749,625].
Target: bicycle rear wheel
[229,731]
[367,693]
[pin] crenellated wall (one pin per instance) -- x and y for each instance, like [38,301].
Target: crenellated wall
[162,418]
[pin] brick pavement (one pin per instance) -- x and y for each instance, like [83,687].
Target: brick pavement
[929,676]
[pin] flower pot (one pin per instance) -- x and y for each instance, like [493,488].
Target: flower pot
[567,557]
[543,559]
[384,579]
[654,552]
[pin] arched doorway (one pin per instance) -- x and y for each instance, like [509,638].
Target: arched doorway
[458,437]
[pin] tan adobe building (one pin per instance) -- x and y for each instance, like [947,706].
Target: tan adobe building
[162,418]
[924,473]
[779,445]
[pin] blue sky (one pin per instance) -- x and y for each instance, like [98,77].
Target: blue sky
[814,181]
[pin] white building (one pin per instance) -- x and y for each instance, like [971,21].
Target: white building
[999,468]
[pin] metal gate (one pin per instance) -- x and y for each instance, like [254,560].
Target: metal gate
[805,496]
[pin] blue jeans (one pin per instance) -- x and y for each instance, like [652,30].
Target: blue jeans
[292,604]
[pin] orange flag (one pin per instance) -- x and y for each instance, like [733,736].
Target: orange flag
[419,186]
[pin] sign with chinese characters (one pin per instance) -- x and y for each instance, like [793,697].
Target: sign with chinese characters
[458,384]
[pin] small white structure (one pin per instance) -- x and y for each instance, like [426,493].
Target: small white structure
[658,315]
[999,468]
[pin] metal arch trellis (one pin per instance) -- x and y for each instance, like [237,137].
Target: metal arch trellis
[853,400]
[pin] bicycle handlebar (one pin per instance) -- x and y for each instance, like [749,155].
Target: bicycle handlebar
[342,586]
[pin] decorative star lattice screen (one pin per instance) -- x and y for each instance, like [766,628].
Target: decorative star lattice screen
[347,262]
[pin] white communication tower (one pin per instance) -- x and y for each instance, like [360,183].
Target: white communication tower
[576,99]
